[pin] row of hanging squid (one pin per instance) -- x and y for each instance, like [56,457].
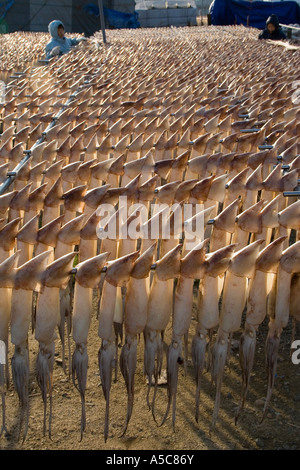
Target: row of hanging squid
[172,117]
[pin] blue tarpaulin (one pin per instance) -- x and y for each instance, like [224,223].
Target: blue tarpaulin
[255,14]
[7,5]
[114,19]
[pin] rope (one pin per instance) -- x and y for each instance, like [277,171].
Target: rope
[288,26]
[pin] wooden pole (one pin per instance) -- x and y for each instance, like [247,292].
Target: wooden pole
[102,24]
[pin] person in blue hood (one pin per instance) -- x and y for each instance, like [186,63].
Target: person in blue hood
[272,29]
[59,44]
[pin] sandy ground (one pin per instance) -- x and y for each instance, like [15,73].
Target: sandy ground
[280,429]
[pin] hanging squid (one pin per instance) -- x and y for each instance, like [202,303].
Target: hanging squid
[288,265]
[56,276]
[208,312]
[233,303]
[192,267]
[28,278]
[117,275]
[160,308]
[87,278]
[7,271]
[135,318]
[260,285]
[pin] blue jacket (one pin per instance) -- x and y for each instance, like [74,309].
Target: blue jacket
[64,43]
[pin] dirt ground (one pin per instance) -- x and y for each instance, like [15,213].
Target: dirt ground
[280,429]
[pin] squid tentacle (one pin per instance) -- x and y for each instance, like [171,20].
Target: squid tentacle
[199,344]
[79,372]
[20,372]
[247,353]
[153,356]
[157,370]
[219,358]
[174,357]
[44,367]
[106,357]
[128,359]
[2,382]
[272,347]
